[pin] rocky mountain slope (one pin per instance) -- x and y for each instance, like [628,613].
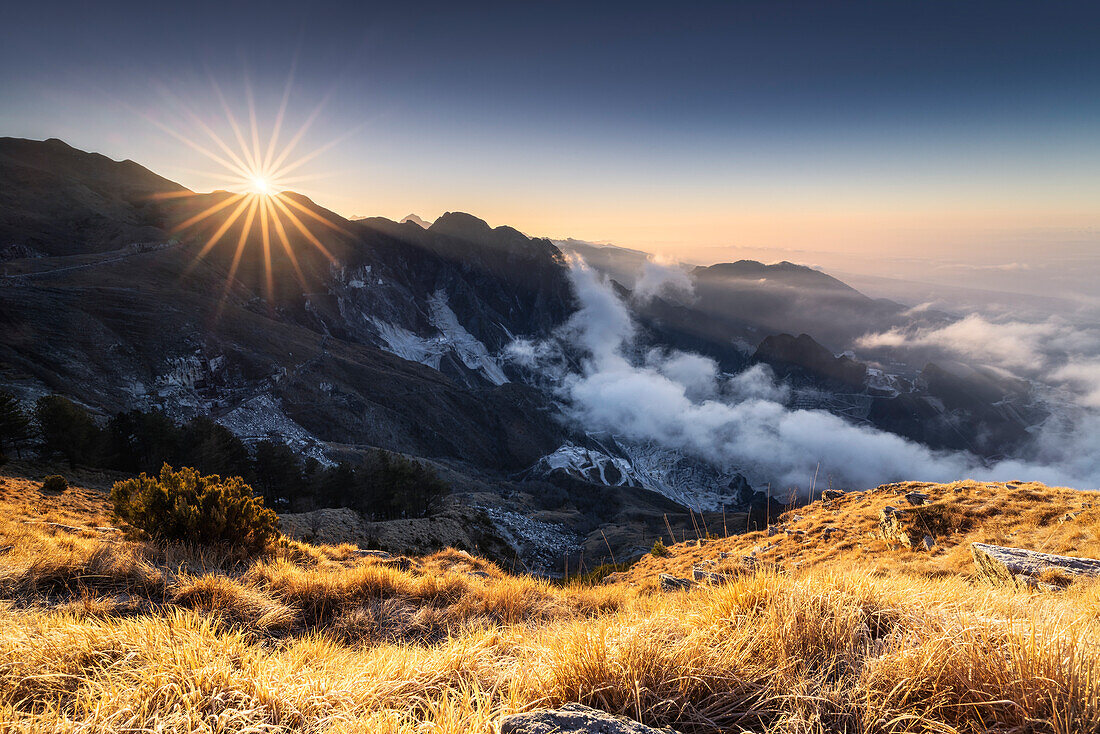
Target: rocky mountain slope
[123,290]
[381,335]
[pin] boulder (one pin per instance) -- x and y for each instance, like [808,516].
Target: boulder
[916,498]
[382,555]
[574,718]
[668,582]
[1023,568]
[831,494]
[703,576]
[902,527]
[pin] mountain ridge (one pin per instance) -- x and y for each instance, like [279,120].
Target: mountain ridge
[380,334]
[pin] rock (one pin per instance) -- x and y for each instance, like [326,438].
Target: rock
[788,354]
[668,582]
[916,498]
[831,494]
[1021,568]
[573,718]
[895,526]
[382,555]
[704,576]
[772,530]
[929,541]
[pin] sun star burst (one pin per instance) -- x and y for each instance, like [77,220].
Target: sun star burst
[257,177]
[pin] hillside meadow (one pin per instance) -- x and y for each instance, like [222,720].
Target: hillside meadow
[103,632]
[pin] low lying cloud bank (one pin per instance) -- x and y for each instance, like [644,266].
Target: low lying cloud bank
[1054,351]
[663,277]
[740,422]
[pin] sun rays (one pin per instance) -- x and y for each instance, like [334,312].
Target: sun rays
[256,172]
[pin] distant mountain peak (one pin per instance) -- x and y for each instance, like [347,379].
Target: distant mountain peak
[789,273]
[416,220]
[461,224]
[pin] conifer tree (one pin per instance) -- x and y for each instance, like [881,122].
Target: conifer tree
[15,424]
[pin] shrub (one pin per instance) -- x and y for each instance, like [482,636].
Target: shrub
[55,483]
[185,505]
[598,574]
[659,549]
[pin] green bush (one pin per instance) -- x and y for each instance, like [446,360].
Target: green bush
[598,574]
[55,483]
[185,505]
[659,549]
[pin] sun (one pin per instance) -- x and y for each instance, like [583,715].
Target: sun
[260,185]
[257,178]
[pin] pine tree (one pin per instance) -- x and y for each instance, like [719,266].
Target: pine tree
[15,424]
[66,429]
[277,470]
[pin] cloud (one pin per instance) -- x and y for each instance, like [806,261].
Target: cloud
[680,401]
[698,374]
[1002,267]
[527,353]
[1084,376]
[661,277]
[757,383]
[1055,350]
[921,308]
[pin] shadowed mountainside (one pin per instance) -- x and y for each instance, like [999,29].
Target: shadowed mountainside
[365,334]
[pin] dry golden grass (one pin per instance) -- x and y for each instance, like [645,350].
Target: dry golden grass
[820,652]
[98,633]
[844,532]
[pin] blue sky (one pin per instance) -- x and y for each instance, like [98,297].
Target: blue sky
[963,130]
